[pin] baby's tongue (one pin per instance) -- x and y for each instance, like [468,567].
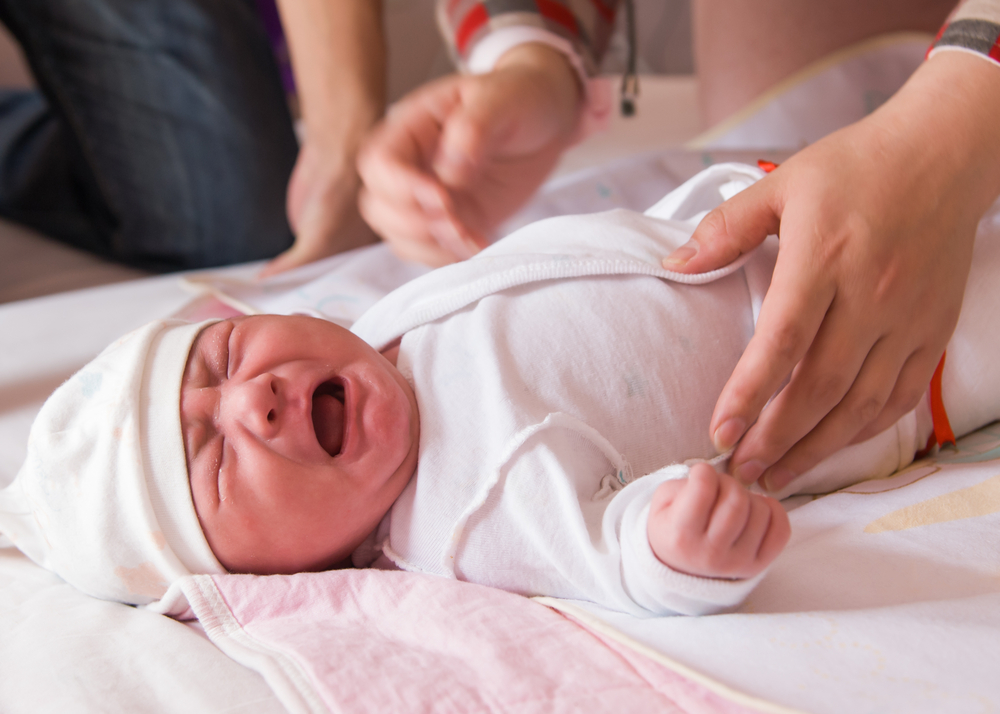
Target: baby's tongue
[328,420]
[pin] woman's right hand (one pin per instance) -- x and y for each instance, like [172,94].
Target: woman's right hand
[455,158]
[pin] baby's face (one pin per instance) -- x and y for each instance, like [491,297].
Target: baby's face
[298,438]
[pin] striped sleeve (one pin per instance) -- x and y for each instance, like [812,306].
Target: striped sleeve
[585,24]
[974,26]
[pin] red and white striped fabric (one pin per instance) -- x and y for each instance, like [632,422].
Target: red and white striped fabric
[586,24]
[974,26]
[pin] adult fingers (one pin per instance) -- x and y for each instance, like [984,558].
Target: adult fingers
[790,317]
[400,182]
[819,384]
[299,254]
[412,128]
[420,220]
[401,224]
[405,229]
[910,387]
[395,161]
[321,231]
[864,400]
[737,226]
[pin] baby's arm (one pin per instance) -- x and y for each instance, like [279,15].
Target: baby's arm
[709,525]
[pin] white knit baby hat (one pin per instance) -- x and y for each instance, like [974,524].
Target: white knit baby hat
[103,498]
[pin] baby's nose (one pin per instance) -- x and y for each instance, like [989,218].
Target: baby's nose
[255,404]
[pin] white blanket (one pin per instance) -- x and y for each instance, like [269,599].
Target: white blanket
[887,599]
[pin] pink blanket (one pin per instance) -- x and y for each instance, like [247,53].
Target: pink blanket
[383,641]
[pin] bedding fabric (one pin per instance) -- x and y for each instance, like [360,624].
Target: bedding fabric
[887,599]
[384,641]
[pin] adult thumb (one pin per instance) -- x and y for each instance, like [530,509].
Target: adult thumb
[479,126]
[735,227]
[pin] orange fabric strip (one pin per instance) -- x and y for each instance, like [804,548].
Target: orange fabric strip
[942,427]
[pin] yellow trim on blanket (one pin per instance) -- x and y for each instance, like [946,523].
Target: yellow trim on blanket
[598,625]
[982,499]
[821,65]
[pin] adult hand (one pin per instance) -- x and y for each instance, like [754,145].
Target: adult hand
[876,225]
[455,158]
[322,207]
[710,526]
[338,54]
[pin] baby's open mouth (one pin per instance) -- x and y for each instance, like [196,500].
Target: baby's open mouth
[328,416]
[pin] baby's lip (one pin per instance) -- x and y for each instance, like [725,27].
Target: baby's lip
[351,417]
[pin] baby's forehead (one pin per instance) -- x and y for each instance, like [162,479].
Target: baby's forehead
[206,346]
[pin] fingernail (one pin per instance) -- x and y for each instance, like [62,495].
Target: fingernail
[747,473]
[726,436]
[777,478]
[681,256]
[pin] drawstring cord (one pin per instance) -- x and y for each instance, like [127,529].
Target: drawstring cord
[630,80]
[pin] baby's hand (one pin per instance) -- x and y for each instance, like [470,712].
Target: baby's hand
[710,526]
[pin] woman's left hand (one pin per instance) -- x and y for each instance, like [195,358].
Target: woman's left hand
[322,206]
[876,224]
[338,54]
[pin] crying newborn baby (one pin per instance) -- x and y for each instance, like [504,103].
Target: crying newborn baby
[534,419]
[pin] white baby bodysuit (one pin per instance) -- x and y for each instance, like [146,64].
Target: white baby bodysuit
[556,376]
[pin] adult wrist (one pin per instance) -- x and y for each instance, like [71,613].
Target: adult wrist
[555,65]
[341,131]
[947,113]
[590,100]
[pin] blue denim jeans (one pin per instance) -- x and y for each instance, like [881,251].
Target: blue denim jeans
[161,136]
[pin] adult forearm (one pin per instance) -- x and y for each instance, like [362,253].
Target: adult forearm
[947,112]
[338,55]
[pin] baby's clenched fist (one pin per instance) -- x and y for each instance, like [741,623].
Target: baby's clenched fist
[709,525]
